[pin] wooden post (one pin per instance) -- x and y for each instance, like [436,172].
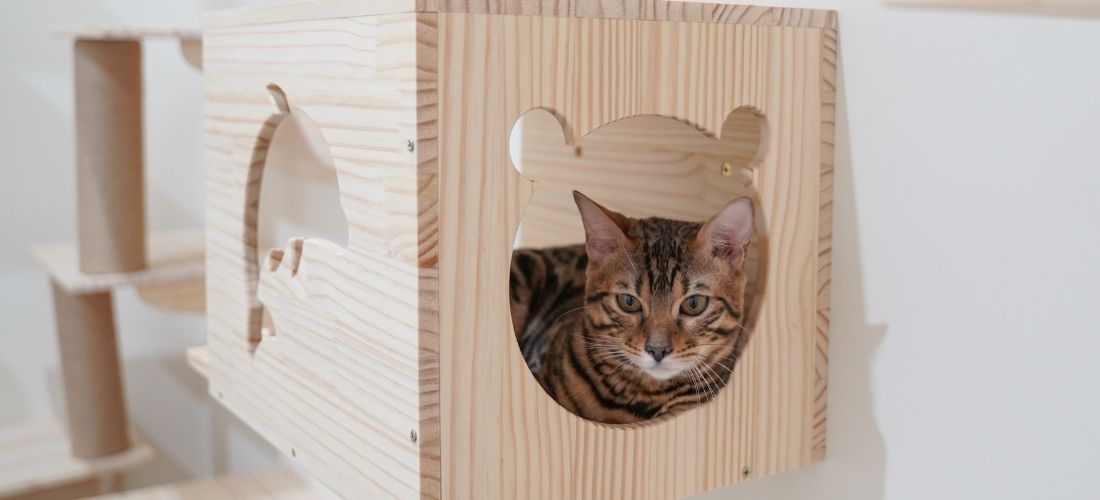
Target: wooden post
[91,373]
[110,181]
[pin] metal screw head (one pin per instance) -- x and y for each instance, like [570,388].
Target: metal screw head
[727,169]
[746,472]
[412,435]
[411,146]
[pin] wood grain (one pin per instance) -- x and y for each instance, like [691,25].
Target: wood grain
[391,369]
[277,484]
[174,256]
[91,373]
[110,168]
[34,457]
[337,384]
[502,436]
[649,10]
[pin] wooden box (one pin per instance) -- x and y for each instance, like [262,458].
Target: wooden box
[392,368]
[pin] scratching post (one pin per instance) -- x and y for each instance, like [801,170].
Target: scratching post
[110,192]
[91,373]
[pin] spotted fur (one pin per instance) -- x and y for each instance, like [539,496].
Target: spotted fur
[607,364]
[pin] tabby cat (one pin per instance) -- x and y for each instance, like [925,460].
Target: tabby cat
[644,319]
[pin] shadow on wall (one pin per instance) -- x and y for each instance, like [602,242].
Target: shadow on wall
[855,457]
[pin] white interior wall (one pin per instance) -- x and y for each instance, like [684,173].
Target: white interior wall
[965,279]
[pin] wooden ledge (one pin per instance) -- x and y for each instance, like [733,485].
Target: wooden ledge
[643,10]
[35,458]
[277,484]
[173,257]
[123,32]
[198,358]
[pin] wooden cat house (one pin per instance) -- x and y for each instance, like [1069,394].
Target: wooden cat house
[387,366]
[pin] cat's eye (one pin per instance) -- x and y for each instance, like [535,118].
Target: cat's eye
[694,305]
[628,303]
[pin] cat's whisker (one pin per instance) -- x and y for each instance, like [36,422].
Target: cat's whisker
[562,315]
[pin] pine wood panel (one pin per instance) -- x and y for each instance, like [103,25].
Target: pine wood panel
[124,32]
[652,10]
[173,257]
[278,484]
[337,384]
[501,435]
[35,457]
[391,369]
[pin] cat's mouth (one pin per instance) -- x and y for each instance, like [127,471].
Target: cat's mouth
[660,370]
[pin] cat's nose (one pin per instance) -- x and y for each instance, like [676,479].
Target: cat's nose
[658,349]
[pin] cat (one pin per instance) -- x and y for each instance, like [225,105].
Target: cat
[642,320]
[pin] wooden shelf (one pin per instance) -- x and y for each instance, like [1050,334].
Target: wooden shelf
[173,257]
[35,458]
[117,32]
[198,358]
[1071,8]
[278,484]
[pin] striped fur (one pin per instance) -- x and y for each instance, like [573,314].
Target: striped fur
[589,353]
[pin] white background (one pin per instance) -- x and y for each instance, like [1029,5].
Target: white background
[966,280]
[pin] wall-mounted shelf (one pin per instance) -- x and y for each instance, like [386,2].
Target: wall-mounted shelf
[173,257]
[190,39]
[35,458]
[198,358]
[1074,8]
[277,484]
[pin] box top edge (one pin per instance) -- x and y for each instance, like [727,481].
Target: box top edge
[643,10]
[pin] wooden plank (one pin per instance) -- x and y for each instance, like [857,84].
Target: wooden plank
[173,256]
[35,457]
[501,435]
[277,484]
[198,358]
[651,10]
[337,383]
[1076,8]
[125,32]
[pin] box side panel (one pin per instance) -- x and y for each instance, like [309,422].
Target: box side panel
[427,153]
[824,239]
[502,436]
[335,384]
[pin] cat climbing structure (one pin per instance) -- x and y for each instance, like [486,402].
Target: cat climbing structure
[388,366]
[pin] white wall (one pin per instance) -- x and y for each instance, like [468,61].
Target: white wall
[966,275]
[167,401]
[966,282]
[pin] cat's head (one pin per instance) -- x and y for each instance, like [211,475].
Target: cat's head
[665,297]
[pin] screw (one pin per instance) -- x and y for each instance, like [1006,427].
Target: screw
[727,170]
[577,151]
[411,146]
[412,435]
[746,472]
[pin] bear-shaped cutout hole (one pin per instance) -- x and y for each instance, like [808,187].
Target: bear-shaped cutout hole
[647,319]
[299,188]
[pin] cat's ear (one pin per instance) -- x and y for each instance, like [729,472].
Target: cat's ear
[603,229]
[728,234]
